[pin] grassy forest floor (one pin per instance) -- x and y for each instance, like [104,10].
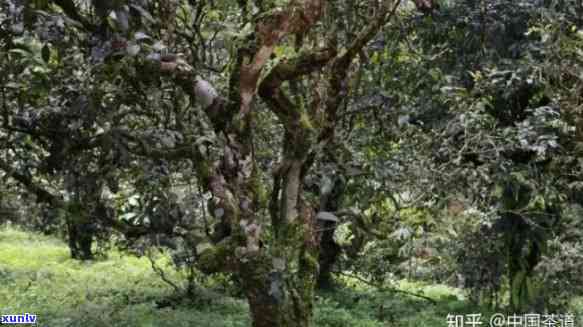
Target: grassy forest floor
[37,276]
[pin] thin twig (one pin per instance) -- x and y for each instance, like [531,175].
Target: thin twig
[162,274]
[386,289]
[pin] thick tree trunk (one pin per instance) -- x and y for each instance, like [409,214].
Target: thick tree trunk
[279,282]
[282,298]
[276,300]
[280,285]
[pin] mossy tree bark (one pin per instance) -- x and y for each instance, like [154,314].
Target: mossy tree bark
[278,279]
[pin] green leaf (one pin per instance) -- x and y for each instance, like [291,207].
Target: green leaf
[22,52]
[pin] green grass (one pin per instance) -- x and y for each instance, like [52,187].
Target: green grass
[363,306]
[38,276]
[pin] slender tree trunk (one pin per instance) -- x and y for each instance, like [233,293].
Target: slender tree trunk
[330,198]
[79,235]
[328,256]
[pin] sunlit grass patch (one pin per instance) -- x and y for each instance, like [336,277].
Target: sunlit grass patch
[29,250]
[38,276]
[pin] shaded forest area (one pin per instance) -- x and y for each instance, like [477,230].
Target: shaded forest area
[290,163]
